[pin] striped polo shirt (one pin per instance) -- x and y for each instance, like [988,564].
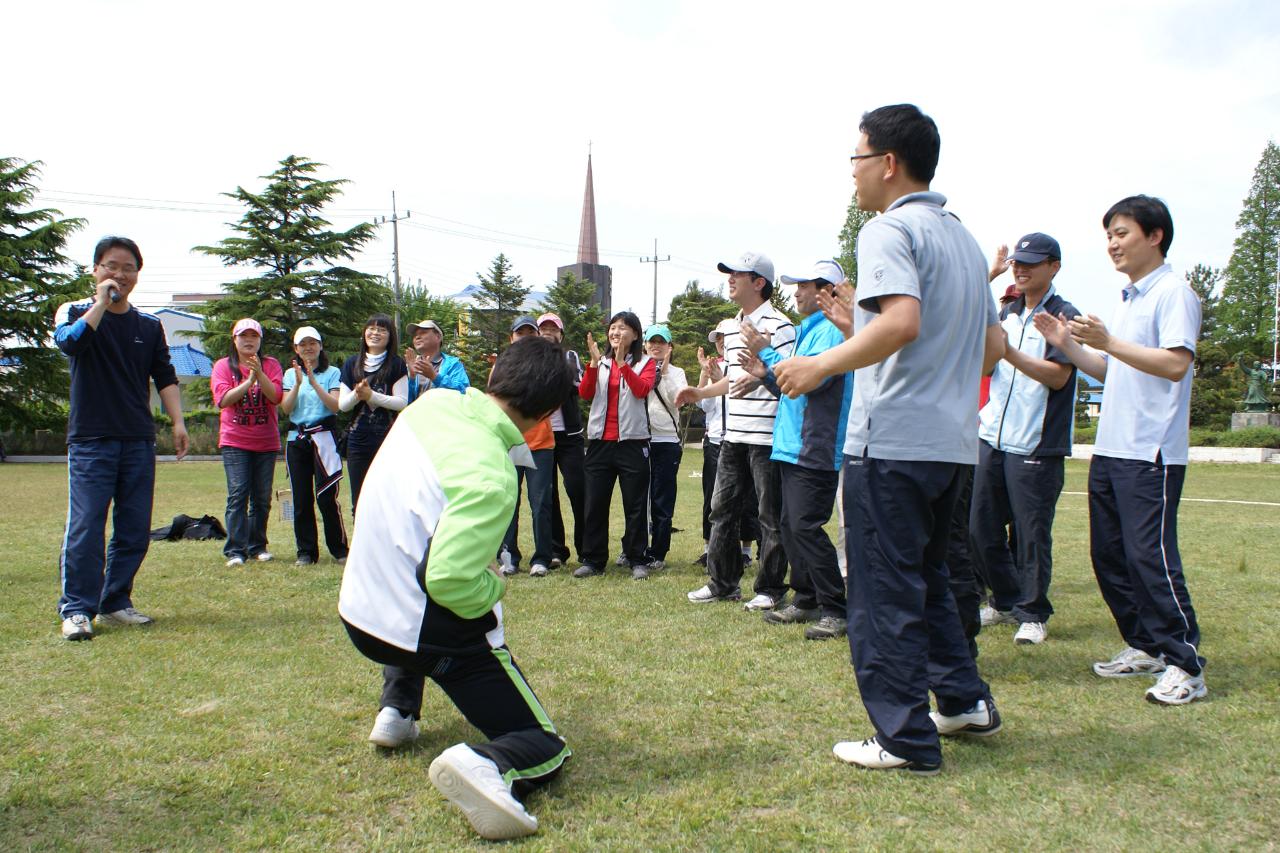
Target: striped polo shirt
[749,420]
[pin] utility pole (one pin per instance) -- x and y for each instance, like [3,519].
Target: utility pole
[395,251]
[655,260]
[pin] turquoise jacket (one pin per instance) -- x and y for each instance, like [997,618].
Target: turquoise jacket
[809,430]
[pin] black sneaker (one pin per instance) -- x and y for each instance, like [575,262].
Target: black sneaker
[702,561]
[827,628]
[791,615]
[587,571]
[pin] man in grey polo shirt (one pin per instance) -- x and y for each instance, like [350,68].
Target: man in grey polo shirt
[925,330]
[1140,455]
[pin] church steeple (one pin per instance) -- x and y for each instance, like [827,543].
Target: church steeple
[588,247]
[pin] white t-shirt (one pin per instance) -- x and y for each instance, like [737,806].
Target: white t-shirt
[749,420]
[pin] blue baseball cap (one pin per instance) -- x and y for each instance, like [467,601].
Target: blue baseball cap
[657,330]
[1034,248]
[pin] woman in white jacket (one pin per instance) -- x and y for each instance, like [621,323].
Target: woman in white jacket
[665,442]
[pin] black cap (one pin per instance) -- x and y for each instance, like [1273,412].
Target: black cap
[1034,248]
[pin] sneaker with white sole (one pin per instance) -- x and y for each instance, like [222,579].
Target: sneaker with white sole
[982,720]
[827,628]
[235,561]
[264,557]
[1177,687]
[537,570]
[639,573]
[126,616]
[77,627]
[556,562]
[792,615]
[392,729]
[586,570]
[472,783]
[870,755]
[990,616]
[622,561]
[704,595]
[1128,663]
[763,602]
[1031,634]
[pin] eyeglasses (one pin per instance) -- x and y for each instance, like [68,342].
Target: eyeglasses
[853,161]
[116,269]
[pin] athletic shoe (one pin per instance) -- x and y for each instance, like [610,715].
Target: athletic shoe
[127,616]
[764,602]
[746,559]
[1128,663]
[828,628]
[791,615]
[1030,634]
[235,561]
[304,561]
[990,616]
[622,561]
[982,720]
[392,729]
[1176,687]
[657,565]
[586,571]
[639,573]
[509,570]
[264,557]
[702,561]
[871,756]
[556,562]
[703,595]
[77,627]
[537,570]
[472,783]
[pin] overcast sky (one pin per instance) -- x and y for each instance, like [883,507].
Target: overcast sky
[717,127]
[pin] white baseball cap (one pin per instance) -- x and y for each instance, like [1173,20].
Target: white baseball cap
[827,270]
[750,262]
[306,332]
[724,327]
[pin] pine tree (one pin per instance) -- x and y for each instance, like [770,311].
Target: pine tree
[570,299]
[694,312]
[854,219]
[416,304]
[1248,297]
[35,278]
[498,300]
[283,237]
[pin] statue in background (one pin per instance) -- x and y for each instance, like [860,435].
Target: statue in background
[1257,397]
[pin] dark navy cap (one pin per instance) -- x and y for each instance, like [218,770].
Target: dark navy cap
[1034,248]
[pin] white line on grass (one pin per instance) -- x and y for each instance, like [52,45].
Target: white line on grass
[1206,500]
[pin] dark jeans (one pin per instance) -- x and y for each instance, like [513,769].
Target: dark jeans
[664,474]
[904,631]
[808,497]
[960,568]
[749,524]
[249,476]
[104,473]
[304,474]
[1022,490]
[569,464]
[539,478]
[492,694]
[1133,538]
[741,464]
[627,464]
[358,462]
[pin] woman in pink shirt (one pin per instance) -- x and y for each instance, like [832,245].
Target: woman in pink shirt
[247,388]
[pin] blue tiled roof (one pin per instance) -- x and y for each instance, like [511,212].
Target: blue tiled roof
[189,361]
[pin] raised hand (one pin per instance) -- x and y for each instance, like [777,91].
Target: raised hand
[753,337]
[363,391]
[593,350]
[1089,330]
[1000,263]
[835,309]
[1053,328]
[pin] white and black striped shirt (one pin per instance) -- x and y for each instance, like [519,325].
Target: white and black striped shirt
[750,419]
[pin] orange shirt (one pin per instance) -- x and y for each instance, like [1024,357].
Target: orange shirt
[540,437]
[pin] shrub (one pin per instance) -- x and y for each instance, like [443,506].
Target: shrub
[1261,436]
[1086,434]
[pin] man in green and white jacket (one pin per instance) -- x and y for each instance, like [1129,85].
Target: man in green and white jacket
[419,594]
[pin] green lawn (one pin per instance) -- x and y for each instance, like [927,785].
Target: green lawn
[239,720]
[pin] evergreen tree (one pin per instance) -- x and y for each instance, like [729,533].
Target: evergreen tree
[1248,297]
[283,237]
[1204,280]
[416,304]
[694,312]
[35,278]
[1214,388]
[570,299]
[498,301]
[854,219]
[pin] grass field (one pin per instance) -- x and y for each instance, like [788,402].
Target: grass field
[239,720]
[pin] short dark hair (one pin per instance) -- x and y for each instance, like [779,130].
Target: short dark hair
[1150,213]
[908,133]
[767,290]
[110,242]
[637,346]
[533,376]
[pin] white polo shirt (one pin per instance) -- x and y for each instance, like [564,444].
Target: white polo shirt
[749,420]
[1144,415]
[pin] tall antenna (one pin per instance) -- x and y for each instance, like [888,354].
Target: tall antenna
[655,260]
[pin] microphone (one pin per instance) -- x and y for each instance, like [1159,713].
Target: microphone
[114,293]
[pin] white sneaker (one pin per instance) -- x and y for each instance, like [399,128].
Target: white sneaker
[556,562]
[762,602]
[77,627]
[982,720]
[235,561]
[990,616]
[472,783]
[1176,687]
[1128,663]
[1030,634]
[392,730]
[537,570]
[703,595]
[264,557]
[127,616]
[870,755]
